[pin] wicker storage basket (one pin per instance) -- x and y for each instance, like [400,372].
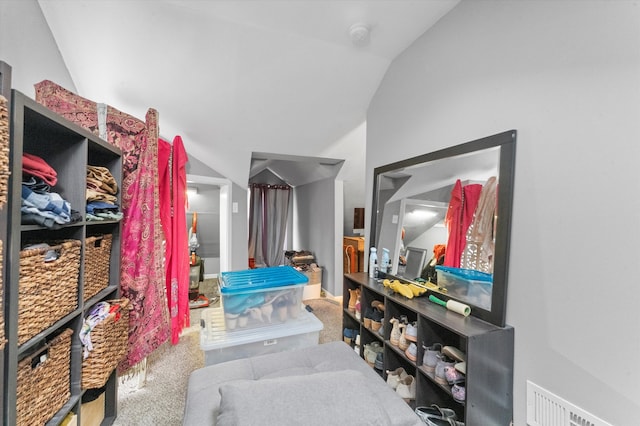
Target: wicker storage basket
[47,290]
[97,254]
[109,340]
[315,276]
[43,382]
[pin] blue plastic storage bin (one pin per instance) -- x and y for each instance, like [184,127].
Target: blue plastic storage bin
[466,285]
[263,296]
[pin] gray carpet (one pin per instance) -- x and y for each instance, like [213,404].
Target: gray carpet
[160,402]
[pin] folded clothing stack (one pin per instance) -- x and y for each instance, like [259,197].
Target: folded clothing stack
[101,195]
[40,205]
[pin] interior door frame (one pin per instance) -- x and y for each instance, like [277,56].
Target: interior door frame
[225,215]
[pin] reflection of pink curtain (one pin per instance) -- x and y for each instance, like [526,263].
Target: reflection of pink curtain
[453,222]
[141,277]
[172,160]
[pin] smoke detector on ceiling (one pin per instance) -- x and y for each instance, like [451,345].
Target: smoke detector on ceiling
[359,34]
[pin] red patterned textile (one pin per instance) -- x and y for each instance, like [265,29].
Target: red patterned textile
[141,249]
[173,201]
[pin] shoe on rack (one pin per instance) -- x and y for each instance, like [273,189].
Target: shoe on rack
[379,362]
[411,332]
[371,351]
[368,314]
[376,304]
[403,343]
[453,376]
[459,392]
[407,388]
[354,295]
[454,353]
[430,358]
[461,367]
[442,364]
[435,411]
[347,336]
[412,352]
[376,319]
[394,338]
[394,377]
[439,421]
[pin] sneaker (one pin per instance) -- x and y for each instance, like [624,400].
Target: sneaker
[454,353]
[371,352]
[381,329]
[459,392]
[407,388]
[439,421]
[453,375]
[443,363]
[430,358]
[411,332]
[394,377]
[394,338]
[435,411]
[379,362]
[412,352]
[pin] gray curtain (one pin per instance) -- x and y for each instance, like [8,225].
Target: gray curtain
[268,211]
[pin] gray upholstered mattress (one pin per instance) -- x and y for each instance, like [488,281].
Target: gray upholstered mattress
[320,385]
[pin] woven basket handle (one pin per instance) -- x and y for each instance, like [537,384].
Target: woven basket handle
[98,240]
[40,357]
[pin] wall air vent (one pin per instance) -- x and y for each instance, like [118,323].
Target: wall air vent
[546,409]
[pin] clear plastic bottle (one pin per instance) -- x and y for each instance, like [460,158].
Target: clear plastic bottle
[384,264]
[373,263]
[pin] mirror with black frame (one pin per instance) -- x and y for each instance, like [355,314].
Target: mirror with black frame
[445,218]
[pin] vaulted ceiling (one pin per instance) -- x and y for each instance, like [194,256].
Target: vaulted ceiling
[237,77]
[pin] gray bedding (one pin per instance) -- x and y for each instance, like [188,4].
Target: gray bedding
[320,385]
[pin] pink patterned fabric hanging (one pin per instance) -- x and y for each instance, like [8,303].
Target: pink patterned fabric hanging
[142,281]
[173,186]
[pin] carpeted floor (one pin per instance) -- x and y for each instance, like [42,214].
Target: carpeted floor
[160,402]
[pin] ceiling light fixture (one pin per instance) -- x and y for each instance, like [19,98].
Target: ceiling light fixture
[359,34]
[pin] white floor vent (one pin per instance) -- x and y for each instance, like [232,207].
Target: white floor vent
[546,409]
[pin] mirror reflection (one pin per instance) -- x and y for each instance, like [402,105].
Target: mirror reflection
[438,215]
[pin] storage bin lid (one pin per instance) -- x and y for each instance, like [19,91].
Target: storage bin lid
[466,274]
[260,279]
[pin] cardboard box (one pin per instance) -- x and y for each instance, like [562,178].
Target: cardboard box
[92,413]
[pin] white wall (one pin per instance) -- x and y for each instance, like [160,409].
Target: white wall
[315,224]
[351,147]
[566,76]
[27,45]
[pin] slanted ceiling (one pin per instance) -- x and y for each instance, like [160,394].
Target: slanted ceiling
[292,170]
[236,77]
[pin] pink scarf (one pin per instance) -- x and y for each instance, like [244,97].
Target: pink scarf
[141,279]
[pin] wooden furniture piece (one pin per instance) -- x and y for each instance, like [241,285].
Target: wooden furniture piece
[357,248]
[488,348]
[69,149]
